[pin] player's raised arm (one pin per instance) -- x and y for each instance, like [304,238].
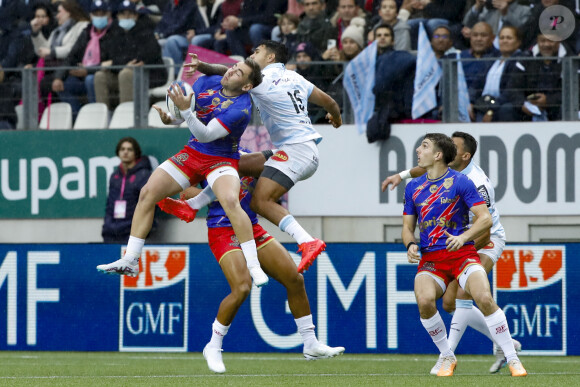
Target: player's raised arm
[320,98]
[203,67]
[397,178]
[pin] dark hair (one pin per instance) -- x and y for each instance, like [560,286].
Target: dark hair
[77,13]
[387,26]
[136,147]
[255,75]
[469,142]
[279,50]
[514,29]
[290,17]
[444,144]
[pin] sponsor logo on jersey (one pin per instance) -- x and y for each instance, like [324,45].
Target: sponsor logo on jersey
[484,194]
[447,183]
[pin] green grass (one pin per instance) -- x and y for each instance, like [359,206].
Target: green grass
[261,369]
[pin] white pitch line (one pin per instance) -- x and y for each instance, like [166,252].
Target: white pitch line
[255,375]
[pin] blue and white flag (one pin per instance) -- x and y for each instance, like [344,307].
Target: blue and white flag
[359,81]
[462,93]
[427,76]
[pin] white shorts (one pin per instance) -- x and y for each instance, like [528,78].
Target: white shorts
[296,161]
[493,249]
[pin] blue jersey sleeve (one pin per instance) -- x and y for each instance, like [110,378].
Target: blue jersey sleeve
[469,192]
[409,205]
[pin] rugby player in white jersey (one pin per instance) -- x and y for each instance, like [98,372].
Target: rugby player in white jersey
[489,247]
[282,101]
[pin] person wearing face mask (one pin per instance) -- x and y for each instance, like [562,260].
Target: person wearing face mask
[72,20]
[77,85]
[135,45]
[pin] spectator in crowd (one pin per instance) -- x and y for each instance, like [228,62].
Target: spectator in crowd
[432,14]
[153,9]
[481,46]
[124,187]
[76,86]
[179,24]
[302,55]
[442,46]
[388,14]
[504,83]
[544,80]
[14,47]
[254,24]
[352,44]
[210,12]
[394,77]
[72,20]
[227,8]
[346,11]
[442,42]
[530,30]
[135,46]
[315,26]
[286,31]
[497,13]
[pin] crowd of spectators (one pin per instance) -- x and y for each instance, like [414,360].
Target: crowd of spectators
[95,34]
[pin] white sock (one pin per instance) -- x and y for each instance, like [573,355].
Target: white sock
[476,320]
[250,253]
[290,226]
[134,248]
[498,327]
[436,329]
[203,199]
[218,333]
[306,330]
[459,322]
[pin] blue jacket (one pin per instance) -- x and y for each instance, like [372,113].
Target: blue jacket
[176,20]
[118,230]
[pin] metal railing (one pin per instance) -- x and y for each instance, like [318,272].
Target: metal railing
[331,76]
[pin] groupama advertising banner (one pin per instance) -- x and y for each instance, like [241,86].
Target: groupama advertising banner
[53,299]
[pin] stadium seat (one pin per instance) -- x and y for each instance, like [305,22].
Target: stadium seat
[92,116]
[159,92]
[60,114]
[153,119]
[123,116]
[19,116]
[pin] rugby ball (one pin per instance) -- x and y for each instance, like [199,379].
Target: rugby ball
[187,90]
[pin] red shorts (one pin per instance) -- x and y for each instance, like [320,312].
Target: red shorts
[448,265]
[196,166]
[223,240]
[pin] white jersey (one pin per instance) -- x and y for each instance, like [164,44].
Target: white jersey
[282,99]
[485,189]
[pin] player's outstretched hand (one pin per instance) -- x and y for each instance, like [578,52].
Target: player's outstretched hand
[335,121]
[413,254]
[395,180]
[191,66]
[454,242]
[165,118]
[176,94]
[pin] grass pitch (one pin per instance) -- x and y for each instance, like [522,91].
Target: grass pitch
[262,369]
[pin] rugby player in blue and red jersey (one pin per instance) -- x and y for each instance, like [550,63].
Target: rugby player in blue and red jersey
[439,202]
[223,110]
[275,260]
